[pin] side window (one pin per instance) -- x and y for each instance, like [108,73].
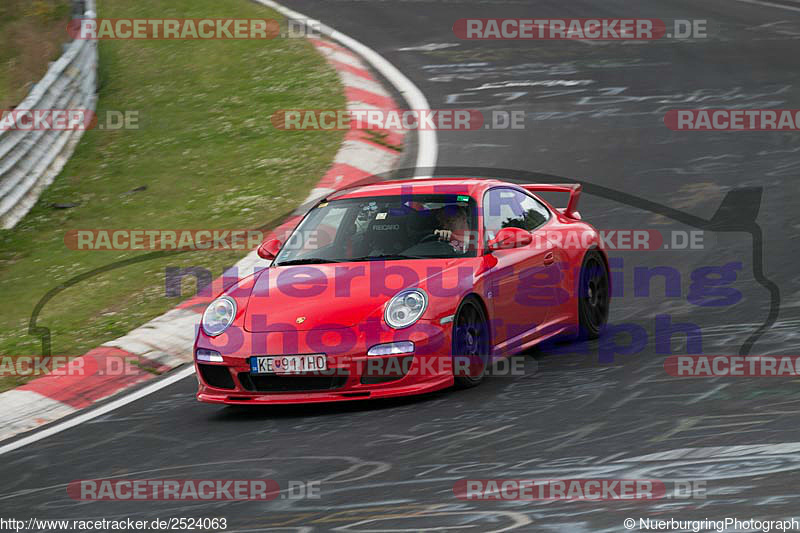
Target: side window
[329,226]
[509,208]
[322,236]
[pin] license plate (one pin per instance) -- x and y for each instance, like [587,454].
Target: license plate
[288,364]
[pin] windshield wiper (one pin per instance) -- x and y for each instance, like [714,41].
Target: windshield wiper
[387,257]
[308,261]
[319,260]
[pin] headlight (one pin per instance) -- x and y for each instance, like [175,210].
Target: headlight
[219,315]
[405,308]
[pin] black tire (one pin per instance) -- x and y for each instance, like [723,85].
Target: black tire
[471,343]
[594,296]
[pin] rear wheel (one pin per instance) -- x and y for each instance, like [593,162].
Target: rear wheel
[594,296]
[470,343]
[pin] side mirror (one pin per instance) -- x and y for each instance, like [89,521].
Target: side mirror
[508,238]
[269,249]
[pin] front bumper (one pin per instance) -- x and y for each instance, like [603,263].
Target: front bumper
[351,375]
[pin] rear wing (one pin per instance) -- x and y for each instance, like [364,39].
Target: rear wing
[574,190]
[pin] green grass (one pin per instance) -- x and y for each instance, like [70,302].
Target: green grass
[31,34]
[206,152]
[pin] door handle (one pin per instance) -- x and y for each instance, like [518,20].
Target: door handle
[549,259]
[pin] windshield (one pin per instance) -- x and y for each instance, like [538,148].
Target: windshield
[409,226]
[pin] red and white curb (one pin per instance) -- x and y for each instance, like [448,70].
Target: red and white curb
[166,342]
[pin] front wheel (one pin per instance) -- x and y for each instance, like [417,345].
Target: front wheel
[470,344]
[594,296]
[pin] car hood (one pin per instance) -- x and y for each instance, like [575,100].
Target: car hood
[338,295]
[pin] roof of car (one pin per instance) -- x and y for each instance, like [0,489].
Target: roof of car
[468,186]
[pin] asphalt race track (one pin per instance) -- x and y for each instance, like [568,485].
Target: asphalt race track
[579,410]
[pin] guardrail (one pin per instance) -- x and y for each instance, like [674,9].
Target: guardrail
[30,159]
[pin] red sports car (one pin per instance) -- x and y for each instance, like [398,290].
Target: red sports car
[403,287]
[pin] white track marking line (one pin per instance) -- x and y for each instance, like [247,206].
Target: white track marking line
[427,149]
[427,152]
[708,394]
[94,413]
[770,4]
[710,452]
